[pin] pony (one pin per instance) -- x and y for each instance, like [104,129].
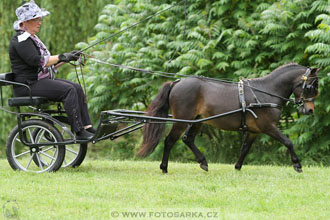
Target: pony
[200,97]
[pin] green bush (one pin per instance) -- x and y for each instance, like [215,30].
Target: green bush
[223,39]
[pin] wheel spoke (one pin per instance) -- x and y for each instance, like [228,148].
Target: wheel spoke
[41,136]
[72,151]
[19,140]
[41,147]
[27,167]
[47,155]
[21,154]
[31,137]
[50,148]
[39,161]
[45,139]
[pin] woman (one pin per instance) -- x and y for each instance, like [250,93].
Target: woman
[32,64]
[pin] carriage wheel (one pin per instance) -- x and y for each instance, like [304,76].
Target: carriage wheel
[74,153]
[48,158]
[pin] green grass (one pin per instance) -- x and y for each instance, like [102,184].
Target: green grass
[99,188]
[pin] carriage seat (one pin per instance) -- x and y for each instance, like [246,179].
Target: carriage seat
[26,101]
[8,79]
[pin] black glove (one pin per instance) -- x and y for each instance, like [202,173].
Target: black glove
[76,53]
[67,57]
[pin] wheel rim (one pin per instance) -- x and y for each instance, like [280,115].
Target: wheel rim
[71,153]
[45,156]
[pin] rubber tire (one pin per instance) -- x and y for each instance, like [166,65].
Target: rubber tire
[83,147]
[61,149]
[80,157]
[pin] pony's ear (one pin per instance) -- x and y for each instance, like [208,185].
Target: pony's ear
[314,71]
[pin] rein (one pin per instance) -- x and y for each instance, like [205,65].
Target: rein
[176,75]
[240,84]
[152,72]
[298,102]
[81,62]
[274,95]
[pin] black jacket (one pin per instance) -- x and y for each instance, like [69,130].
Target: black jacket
[25,58]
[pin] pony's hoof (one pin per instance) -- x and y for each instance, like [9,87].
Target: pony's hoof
[297,167]
[164,171]
[163,168]
[204,167]
[238,167]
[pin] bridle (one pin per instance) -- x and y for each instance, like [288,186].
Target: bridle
[307,88]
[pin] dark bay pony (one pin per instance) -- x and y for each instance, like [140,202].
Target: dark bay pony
[195,97]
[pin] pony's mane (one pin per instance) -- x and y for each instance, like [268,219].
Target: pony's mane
[286,65]
[271,74]
[279,70]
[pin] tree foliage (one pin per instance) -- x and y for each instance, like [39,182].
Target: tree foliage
[221,39]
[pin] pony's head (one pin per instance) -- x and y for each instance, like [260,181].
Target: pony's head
[306,90]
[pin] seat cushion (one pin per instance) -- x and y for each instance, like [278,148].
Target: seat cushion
[26,101]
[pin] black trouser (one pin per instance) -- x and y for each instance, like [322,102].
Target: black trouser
[60,90]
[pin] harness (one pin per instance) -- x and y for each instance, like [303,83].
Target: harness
[241,83]
[241,96]
[242,101]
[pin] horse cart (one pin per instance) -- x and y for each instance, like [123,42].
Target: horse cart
[42,140]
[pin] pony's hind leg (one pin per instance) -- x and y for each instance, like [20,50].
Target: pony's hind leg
[189,140]
[248,141]
[170,140]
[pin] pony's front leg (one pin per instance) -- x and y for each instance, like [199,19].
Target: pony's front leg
[170,140]
[276,134]
[248,141]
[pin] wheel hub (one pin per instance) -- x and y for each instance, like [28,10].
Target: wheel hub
[34,149]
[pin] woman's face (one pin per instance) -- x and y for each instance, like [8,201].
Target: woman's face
[32,26]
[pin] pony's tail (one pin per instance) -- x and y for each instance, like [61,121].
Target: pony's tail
[154,131]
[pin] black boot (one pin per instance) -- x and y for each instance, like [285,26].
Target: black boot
[84,135]
[91,130]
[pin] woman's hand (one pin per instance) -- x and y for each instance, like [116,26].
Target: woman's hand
[67,57]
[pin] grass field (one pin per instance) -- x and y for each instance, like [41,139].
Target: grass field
[138,190]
